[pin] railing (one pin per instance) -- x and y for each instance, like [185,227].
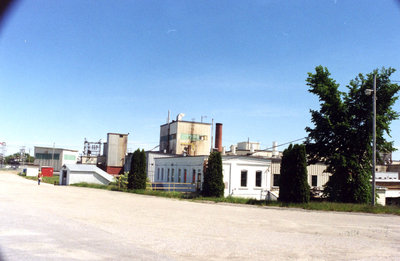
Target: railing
[173,186]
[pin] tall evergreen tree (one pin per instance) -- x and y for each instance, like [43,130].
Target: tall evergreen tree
[342,133]
[137,174]
[293,185]
[213,185]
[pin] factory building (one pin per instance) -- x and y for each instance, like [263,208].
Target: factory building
[109,156]
[317,176]
[54,157]
[185,137]
[114,153]
[243,176]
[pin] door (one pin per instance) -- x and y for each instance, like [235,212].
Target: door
[64,177]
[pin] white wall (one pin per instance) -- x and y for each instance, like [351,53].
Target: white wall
[88,177]
[150,156]
[32,171]
[162,165]
[232,169]
[69,157]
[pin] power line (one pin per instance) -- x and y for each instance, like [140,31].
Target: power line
[284,144]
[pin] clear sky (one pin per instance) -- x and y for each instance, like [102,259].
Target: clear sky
[79,69]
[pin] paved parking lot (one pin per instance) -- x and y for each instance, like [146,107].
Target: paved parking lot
[49,222]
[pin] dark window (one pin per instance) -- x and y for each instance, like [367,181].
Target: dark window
[276,180]
[47,156]
[314,180]
[243,178]
[258,178]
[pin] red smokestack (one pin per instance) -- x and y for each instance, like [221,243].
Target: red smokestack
[218,136]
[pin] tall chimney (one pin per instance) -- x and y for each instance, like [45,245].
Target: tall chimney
[218,136]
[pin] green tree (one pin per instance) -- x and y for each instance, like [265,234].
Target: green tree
[137,174]
[122,181]
[293,185]
[213,185]
[18,157]
[342,133]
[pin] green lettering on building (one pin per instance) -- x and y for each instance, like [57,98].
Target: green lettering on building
[191,137]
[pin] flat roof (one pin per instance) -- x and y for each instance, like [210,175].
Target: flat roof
[195,122]
[51,148]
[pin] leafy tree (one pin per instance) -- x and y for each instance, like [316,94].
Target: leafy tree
[293,185]
[213,185]
[137,174]
[122,181]
[342,133]
[18,157]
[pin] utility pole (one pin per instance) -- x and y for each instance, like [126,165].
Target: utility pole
[374,142]
[373,92]
[52,156]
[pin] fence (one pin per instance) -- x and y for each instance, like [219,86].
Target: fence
[171,186]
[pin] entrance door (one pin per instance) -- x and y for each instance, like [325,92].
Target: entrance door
[64,177]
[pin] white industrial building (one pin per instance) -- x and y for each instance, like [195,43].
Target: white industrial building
[243,176]
[54,157]
[78,173]
[150,168]
[388,188]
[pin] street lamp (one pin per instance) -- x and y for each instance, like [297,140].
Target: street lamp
[369,92]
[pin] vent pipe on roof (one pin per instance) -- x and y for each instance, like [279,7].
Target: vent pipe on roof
[275,152]
[218,136]
[180,116]
[233,149]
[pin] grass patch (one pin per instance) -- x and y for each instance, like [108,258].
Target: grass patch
[313,205]
[51,180]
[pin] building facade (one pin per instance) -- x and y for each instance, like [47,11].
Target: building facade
[185,138]
[54,157]
[114,152]
[243,176]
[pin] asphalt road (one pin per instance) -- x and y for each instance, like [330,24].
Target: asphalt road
[49,222]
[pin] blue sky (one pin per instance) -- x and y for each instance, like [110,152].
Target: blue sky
[79,69]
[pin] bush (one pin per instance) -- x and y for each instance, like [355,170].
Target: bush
[293,185]
[213,185]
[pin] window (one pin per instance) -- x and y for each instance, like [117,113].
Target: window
[184,176]
[47,156]
[314,180]
[199,175]
[158,174]
[168,176]
[172,175]
[276,180]
[258,178]
[179,175]
[243,178]
[194,176]
[162,174]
